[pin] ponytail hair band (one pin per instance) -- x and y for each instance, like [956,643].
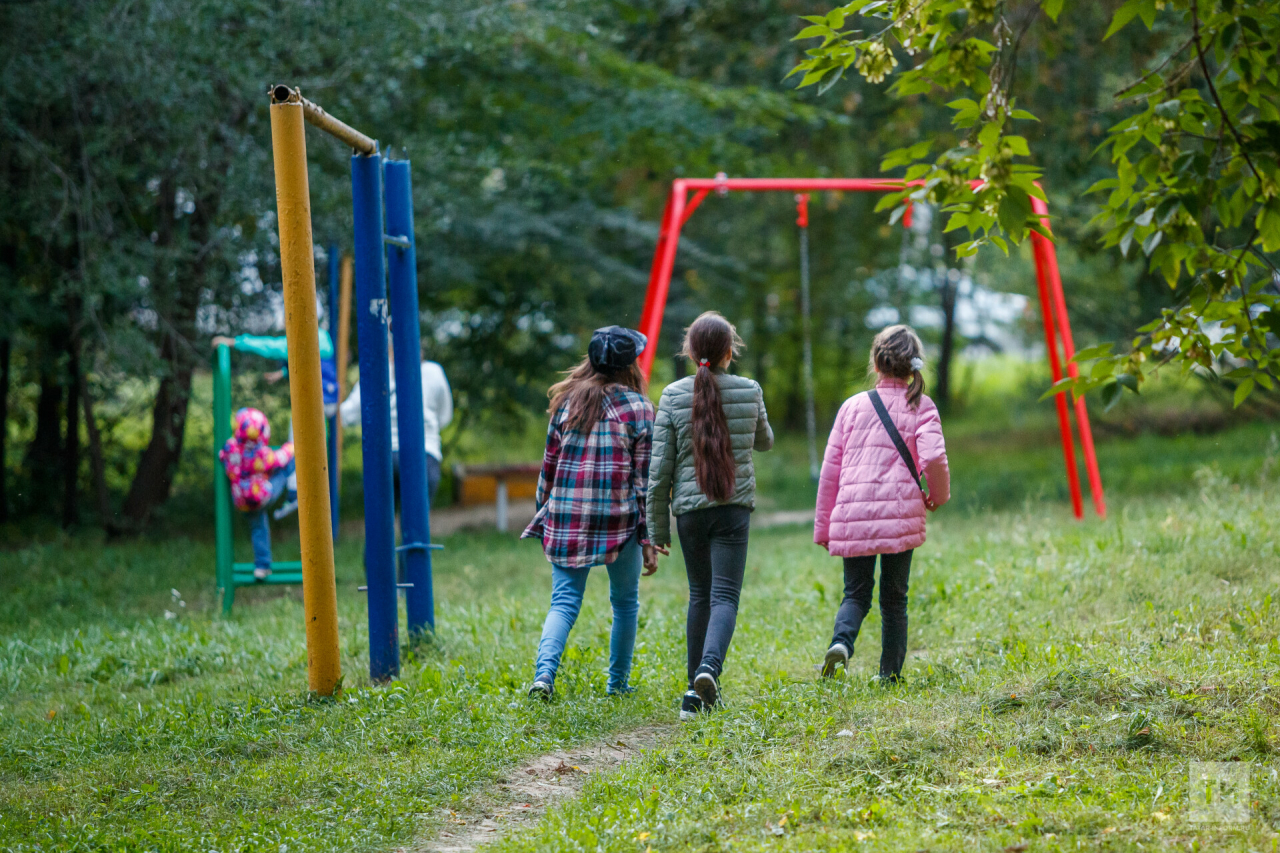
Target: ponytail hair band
[704,362]
[917,363]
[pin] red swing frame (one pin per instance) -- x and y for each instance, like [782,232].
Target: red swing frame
[1053,306]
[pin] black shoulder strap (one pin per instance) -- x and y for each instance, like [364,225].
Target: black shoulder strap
[895,435]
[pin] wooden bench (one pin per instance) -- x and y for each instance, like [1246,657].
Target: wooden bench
[497,484]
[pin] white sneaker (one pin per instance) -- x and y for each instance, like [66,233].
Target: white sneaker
[261,573]
[837,656]
[286,508]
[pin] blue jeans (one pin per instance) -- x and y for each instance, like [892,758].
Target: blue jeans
[259,529]
[567,588]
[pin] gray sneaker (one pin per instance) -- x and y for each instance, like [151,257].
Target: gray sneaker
[543,690]
[837,656]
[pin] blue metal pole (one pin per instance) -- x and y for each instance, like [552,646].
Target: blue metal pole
[333,421]
[415,509]
[375,417]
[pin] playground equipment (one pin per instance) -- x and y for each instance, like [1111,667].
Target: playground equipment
[1053,306]
[229,573]
[289,110]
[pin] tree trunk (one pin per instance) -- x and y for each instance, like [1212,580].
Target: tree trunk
[71,445]
[45,450]
[4,428]
[947,349]
[154,477]
[99,468]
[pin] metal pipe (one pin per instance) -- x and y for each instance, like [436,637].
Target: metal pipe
[402,291]
[335,429]
[297,267]
[221,487]
[317,117]
[806,321]
[375,418]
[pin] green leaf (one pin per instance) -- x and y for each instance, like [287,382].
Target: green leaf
[1128,380]
[1126,241]
[1123,16]
[1062,385]
[1110,395]
[1243,390]
[1052,8]
[1092,352]
[989,134]
[1018,145]
[1013,213]
[1023,114]
[1153,240]
[812,32]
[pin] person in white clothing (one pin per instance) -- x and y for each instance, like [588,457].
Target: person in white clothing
[437,412]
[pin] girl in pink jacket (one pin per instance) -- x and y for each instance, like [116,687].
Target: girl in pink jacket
[871,502]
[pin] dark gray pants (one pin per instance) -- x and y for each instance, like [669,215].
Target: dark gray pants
[714,543]
[859,581]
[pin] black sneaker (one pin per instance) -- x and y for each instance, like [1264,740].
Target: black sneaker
[837,656]
[543,690]
[708,689]
[691,706]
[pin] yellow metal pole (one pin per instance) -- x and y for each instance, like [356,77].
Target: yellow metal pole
[315,526]
[346,276]
[344,323]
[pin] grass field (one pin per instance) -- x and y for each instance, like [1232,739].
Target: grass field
[1061,677]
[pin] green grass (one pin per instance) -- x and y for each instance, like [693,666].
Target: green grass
[1062,675]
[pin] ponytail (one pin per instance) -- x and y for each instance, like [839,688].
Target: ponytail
[707,342]
[898,353]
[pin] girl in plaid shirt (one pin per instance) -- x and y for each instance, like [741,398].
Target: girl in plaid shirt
[591,499]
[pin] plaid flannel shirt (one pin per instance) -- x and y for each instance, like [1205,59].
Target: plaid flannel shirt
[591,491]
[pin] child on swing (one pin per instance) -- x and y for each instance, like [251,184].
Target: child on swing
[258,473]
[870,501]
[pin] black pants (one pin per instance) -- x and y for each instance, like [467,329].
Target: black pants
[859,581]
[714,543]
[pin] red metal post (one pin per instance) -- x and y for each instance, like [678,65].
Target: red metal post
[1049,254]
[1055,369]
[1048,279]
[664,260]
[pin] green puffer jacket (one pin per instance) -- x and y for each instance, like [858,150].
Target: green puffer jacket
[673,486]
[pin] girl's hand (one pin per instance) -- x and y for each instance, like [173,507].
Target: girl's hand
[223,341]
[650,560]
[929,504]
[826,546]
[273,376]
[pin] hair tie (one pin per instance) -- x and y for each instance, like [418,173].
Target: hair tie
[917,363]
[704,362]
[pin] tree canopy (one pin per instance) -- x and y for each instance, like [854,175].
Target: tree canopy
[1192,183]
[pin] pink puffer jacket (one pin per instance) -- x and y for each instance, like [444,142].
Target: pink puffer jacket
[867,503]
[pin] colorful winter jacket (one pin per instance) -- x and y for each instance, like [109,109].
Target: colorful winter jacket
[250,460]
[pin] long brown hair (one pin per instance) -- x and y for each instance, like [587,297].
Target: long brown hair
[891,355]
[582,392]
[706,343]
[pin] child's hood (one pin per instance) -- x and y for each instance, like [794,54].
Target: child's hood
[252,427]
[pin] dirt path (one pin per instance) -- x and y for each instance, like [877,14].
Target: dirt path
[524,793]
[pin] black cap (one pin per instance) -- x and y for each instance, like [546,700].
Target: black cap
[614,347]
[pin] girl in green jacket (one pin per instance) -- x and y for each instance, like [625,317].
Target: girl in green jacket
[706,429]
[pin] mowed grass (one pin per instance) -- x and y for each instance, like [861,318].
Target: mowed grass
[1062,675]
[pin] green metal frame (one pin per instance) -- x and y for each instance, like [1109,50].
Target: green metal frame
[231,574]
